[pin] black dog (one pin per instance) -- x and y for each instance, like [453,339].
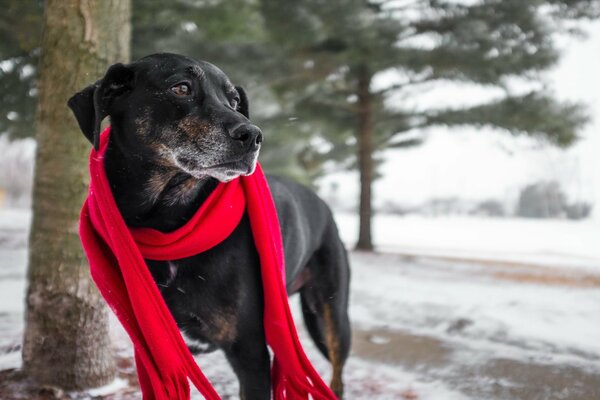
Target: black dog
[178,128]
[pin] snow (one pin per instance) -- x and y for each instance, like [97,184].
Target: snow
[558,243]
[12,294]
[428,297]
[13,258]
[14,218]
[113,387]
[438,314]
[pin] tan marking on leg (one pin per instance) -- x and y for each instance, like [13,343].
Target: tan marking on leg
[223,326]
[333,350]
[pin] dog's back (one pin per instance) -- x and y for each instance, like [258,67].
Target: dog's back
[304,220]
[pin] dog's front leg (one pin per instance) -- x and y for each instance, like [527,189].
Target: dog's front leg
[249,358]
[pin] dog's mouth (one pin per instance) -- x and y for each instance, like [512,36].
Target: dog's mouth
[225,171]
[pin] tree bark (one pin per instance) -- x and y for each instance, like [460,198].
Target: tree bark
[66,341]
[365,157]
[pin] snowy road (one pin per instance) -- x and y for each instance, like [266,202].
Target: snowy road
[424,327]
[479,329]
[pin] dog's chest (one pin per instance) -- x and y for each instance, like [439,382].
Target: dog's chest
[204,304]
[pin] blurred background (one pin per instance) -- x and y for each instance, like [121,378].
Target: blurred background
[457,142]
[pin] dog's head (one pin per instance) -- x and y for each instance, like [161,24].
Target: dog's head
[184,113]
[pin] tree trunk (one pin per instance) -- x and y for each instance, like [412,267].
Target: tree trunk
[66,341]
[365,158]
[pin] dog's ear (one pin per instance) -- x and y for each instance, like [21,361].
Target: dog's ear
[82,105]
[93,103]
[243,106]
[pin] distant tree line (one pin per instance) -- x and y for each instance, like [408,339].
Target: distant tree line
[547,200]
[544,199]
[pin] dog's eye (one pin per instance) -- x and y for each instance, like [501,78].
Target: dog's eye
[235,102]
[181,89]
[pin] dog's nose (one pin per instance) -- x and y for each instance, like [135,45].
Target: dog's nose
[248,135]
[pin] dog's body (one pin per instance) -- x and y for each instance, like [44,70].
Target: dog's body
[170,145]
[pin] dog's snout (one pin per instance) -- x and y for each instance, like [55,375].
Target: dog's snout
[248,135]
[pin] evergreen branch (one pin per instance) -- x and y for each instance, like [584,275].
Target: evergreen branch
[535,114]
[406,84]
[405,144]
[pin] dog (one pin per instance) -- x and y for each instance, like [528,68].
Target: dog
[178,128]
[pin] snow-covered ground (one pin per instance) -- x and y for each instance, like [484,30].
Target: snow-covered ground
[440,313]
[558,243]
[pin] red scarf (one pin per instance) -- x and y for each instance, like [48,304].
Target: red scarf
[116,254]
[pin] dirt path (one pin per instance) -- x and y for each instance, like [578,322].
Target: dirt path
[495,378]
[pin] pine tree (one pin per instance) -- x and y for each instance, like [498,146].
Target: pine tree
[20,35]
[336,49]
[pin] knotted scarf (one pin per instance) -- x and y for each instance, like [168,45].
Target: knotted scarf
[116,255]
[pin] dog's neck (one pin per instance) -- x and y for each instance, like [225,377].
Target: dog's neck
[152,195]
